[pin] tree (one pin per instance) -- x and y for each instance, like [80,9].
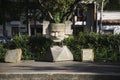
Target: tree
[100,1]
[113,5]
[3,14]
[9,10]
[13,9]
[58,10]
[32,14]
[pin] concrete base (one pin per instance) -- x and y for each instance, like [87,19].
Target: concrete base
[57,53]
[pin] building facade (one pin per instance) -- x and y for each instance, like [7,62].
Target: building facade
[110,22]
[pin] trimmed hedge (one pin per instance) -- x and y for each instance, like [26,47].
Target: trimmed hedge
[38,46]
[106,47]
[2,52]
[33,48]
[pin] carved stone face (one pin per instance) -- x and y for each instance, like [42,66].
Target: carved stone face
[57,31]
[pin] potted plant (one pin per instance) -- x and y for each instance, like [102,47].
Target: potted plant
[57,12]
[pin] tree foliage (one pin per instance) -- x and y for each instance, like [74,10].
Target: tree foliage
[58,10]
[113,5]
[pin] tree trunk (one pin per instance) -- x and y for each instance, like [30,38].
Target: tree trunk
[35,25]
[4,18]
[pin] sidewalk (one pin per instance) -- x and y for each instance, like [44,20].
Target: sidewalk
[69,67]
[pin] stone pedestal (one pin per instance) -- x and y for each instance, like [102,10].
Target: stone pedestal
[13,56]
[87,55]
[57,53]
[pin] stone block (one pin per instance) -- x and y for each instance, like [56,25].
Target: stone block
[57,53]
[87,55]
[13,56]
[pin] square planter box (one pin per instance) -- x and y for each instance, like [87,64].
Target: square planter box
[87,55]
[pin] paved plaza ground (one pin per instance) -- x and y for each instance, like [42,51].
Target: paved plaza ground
[69,70]
[68,66]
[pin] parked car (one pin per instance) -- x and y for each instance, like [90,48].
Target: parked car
[3,39]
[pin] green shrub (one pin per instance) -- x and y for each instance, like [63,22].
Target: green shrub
[106,47]
[74,45]
[20,42]
[33,48]
[2,52]
[38,46]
